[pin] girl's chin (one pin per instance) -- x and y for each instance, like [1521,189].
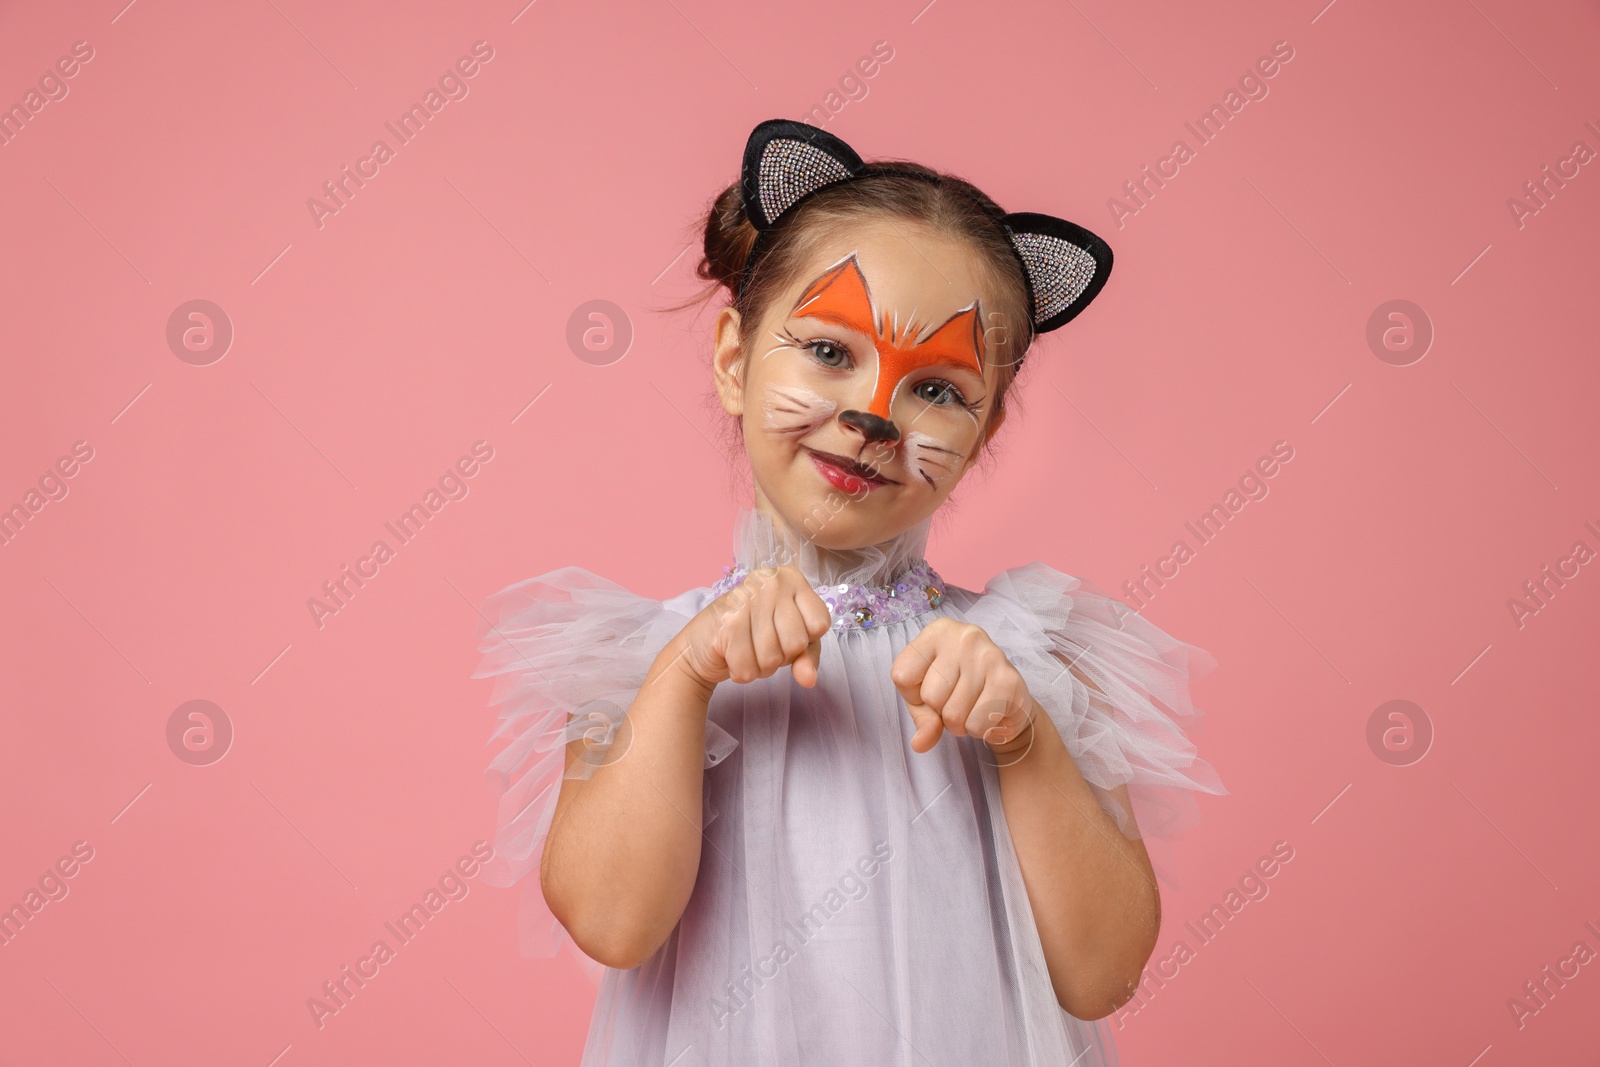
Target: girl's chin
[834,521]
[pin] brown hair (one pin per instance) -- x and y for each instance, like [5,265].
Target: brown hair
[940,202]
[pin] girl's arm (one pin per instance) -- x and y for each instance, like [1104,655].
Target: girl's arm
[623,850]
[624,845]
[1092,890]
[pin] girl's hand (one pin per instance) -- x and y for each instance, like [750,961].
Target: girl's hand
[954,677]
[770,619]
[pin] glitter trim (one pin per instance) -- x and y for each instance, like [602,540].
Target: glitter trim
[864,607]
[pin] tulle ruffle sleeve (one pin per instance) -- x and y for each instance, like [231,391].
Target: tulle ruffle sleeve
[1126,727]
[567,652]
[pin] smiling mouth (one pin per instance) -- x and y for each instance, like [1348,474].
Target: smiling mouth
[846,474]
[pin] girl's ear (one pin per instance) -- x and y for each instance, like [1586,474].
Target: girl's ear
[727,362]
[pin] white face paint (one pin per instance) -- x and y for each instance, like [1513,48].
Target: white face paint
[931,459]
[792,410]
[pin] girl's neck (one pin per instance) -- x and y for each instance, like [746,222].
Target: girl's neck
[764,538]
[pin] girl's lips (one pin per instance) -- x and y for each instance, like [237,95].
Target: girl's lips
[846,475]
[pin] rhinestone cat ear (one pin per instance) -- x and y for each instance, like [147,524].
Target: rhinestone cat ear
[785,161]
[1065,264]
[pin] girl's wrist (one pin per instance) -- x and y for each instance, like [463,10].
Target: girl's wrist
[1020,743]
[1039,735]
[673,666]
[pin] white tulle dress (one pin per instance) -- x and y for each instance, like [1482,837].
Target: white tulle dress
[856,902]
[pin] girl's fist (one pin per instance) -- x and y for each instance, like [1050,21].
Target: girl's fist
[953,677]
[770,619]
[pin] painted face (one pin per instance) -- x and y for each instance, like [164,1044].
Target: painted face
[840,297]
[866,400]
[916,408]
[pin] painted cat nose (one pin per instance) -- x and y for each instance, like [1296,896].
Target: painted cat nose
[872,427]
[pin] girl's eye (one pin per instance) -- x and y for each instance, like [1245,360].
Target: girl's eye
[938,392]
[829,354]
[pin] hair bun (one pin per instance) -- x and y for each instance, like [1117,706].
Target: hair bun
[729,238]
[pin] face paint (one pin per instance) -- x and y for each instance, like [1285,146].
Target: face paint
[929,458]
[797,411]
[840,296]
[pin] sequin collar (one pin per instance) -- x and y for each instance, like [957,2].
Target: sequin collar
[861,607]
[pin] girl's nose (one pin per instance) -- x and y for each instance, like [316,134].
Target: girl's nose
[872,427]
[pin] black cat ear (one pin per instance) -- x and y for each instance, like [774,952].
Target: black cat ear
[1065,264]
[786,161]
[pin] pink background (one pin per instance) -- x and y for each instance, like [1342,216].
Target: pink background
[426,314]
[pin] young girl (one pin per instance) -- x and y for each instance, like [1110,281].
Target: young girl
[831,810]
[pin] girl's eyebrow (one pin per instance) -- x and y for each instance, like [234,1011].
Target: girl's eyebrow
[836,319]
[955,362]
[849,306]
[940,360]
[845,320]
[849,322]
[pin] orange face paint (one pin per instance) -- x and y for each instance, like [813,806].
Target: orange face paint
[840,297]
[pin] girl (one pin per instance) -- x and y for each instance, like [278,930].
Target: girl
[743,800]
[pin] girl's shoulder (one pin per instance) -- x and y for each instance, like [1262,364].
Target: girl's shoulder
[567,652]
[1037,604]
[570,594]
[1116,686]
[570,637]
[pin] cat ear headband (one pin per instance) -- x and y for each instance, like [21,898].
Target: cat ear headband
[785,162]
